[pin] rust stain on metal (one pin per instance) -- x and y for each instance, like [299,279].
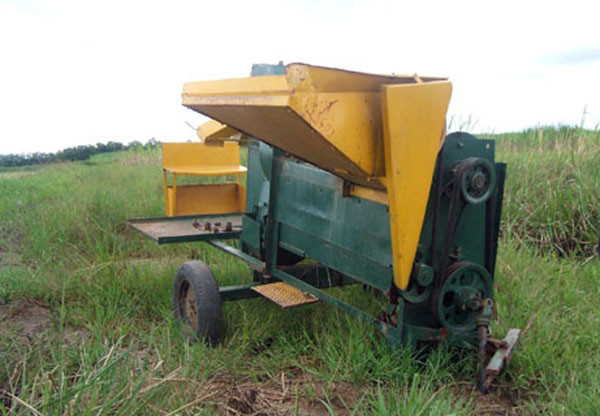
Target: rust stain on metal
[503,352]
[442,335]
[215,228]
[285,295]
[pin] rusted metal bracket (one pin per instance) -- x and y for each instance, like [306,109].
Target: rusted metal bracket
[502,351]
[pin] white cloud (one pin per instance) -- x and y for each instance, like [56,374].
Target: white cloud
[74,72]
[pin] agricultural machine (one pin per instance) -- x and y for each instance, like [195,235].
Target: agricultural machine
[350,179]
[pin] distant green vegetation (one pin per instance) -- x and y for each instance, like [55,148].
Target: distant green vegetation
[86,325]
[71,154]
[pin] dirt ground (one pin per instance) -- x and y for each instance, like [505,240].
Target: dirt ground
[27,320]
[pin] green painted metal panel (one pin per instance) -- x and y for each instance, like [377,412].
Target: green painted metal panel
[351,235]
[251,235]
[311,200]
[337,257]
[267,69]
[254,262]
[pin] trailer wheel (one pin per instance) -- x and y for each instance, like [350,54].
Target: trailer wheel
[197,302]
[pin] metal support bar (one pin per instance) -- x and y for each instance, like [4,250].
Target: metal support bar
[318,275]
[165,192]
[388,330]
[229,293]
[394,334]
[272,227]
[315,275]
[253,262]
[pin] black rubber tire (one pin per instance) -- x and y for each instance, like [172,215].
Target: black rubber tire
[197,302]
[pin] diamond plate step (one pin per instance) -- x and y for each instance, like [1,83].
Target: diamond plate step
[285,295]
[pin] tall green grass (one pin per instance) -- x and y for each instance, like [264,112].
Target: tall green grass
[552,198]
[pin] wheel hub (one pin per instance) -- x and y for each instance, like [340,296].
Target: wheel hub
[187,304]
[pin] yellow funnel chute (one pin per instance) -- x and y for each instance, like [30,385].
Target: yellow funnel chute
[414,118]
[329,117]
[376,131]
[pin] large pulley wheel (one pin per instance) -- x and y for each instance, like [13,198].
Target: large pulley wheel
[477,179]
[197,302]
[458,301]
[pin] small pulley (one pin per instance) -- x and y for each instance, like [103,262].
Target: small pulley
[477,179]
[420,284]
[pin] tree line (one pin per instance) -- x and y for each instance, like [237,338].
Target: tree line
[81,152]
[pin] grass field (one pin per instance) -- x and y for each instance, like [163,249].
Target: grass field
[86,325]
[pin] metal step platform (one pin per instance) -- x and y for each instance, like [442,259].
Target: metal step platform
[285,295]
[168,230]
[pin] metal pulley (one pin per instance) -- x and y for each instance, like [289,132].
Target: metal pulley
[458,300]
[420,285]
[477,179]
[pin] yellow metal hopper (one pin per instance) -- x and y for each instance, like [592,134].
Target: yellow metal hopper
[329,117]
[381,132]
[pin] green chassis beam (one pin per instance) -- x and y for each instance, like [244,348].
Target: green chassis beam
[394,335]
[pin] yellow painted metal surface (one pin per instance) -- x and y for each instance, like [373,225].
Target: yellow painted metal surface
[206,199]
[213,132]
[371,194]
[414,118]
[198,159]
[329,117]
[285,295]
[218,170]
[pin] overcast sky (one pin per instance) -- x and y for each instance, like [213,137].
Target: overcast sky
[77,72]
